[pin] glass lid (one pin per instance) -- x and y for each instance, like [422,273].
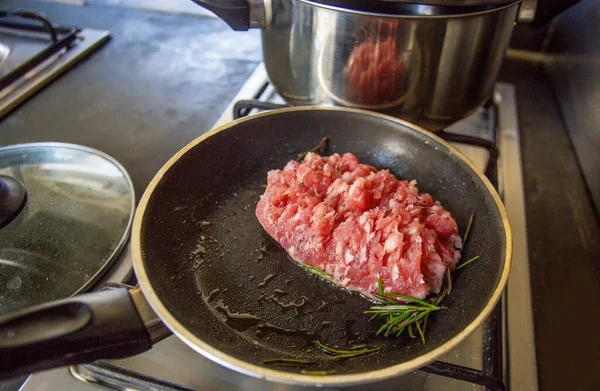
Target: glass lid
[75,221]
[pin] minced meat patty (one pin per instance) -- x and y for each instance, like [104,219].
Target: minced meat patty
[359,224]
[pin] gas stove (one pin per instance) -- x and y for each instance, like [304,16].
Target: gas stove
[34,51]
[499,355]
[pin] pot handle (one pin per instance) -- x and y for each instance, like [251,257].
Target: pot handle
[539,13]
[106,324]
[236,13]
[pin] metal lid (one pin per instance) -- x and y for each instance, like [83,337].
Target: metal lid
[80,205]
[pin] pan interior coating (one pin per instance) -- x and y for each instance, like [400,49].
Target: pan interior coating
[225,280]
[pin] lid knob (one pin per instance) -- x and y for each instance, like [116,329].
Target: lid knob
[13,198]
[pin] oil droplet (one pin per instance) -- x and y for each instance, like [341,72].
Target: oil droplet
[266,280]
[204,224]
[322,305]
[212,295]
[299,302]
[14,283]
[199,250]
[237,321]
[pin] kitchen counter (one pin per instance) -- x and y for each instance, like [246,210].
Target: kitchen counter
[563,234]
[160,82]
[164,79]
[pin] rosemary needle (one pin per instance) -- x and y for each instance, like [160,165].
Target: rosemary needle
[465,263]
[412,299]
[449,280]
[316,271]
[317,373]
[321,145]
[341,354]
[420,330]
[436,302]
[466,235]
[384,299]
[286,361]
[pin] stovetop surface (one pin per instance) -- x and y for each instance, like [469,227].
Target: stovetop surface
[165,360]
[182,85]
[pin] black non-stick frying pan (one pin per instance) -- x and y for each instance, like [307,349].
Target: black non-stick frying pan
[221,284]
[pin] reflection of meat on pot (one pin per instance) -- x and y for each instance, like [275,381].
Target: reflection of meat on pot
[374,71]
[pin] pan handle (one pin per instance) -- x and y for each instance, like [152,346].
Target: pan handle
[108,324]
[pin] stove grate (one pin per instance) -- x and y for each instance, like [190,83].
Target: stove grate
[60,38]
[492,374]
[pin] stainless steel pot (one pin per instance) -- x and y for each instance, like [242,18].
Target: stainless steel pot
[428,64]
[430,70]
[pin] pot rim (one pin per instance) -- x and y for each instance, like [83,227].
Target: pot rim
[422,7]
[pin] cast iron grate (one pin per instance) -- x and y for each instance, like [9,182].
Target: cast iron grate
[492,374]
[242,108]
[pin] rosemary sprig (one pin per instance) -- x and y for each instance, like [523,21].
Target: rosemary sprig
[401,316]
[264,186]
[316,271]
[321,145]
[341,354]
[317,373]
[465,263]
[466,235]
[286,361]
[399,320]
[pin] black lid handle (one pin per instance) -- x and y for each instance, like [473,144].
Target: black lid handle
[236,13]
[13,198]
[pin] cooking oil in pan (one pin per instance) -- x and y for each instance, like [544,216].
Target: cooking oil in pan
[237,321]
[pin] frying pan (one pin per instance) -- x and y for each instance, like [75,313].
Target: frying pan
[210,274]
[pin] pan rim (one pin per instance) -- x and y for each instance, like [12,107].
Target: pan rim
[273,375]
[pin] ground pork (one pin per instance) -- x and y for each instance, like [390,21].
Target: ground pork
[359,224]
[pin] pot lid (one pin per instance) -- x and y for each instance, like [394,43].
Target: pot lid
[416,8]
[76,218]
